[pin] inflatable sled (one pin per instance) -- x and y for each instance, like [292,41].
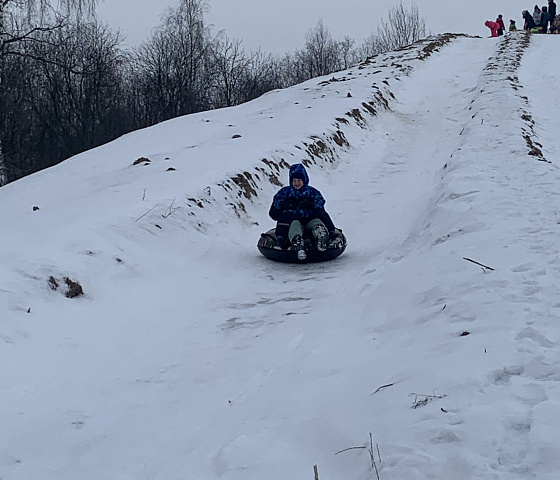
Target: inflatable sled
[267,242]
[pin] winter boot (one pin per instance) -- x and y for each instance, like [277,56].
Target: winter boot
[297,245]
[280,243]
[335,239]
[322,236]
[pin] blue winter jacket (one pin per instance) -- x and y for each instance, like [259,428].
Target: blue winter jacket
[303,204]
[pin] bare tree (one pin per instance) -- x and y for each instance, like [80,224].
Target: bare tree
[174,63]
[321,50]
[74,88]
[229,67]
[261,75]
[31,17]
[64,95]
[404,26]
[347,52]
[371,46]
[294,68]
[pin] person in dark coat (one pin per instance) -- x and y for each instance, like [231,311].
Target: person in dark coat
[300,207]
[529,22]
[551,11]
[545,18]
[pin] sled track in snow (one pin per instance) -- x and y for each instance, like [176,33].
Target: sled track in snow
[502,68]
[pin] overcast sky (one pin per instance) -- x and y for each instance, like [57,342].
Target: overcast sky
[280,26]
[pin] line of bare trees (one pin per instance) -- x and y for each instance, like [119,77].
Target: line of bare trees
[67,86]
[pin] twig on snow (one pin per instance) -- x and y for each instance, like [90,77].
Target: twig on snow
[350,448]
[427,399]
[170,210]
[371,453]
[372,456]
[142,216]
[382,387]
[478,263]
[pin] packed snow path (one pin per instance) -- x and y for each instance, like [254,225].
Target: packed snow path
[193,357]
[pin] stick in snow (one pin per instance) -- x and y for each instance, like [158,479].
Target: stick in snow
[478,263]
[382,387]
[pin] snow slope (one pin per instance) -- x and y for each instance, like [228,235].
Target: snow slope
[190,356]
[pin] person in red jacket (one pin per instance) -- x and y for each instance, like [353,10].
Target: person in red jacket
[500,22]
[493,26]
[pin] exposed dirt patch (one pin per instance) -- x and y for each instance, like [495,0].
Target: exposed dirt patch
[246,184]
[74,288]
[369,108]
[142,161]
[357,116]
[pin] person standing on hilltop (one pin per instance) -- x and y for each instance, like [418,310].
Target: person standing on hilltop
[551,11]
[537,15]
[500,22]
[544,20]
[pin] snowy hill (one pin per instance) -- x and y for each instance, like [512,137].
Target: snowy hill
[191,356]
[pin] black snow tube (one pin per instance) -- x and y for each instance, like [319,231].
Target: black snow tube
[267,242]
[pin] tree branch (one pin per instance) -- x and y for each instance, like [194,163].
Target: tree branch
[478,263]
